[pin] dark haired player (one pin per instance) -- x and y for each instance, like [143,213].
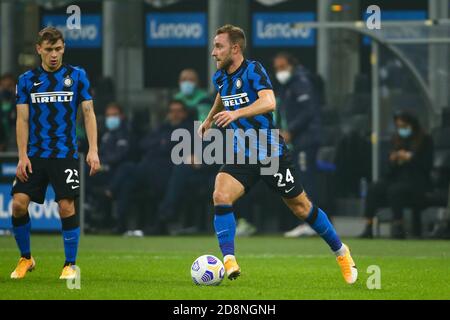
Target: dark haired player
[47,103]
[245,92]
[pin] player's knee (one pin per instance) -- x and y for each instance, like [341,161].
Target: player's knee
[220,197]
[303,208]
[19,208]
[66,208]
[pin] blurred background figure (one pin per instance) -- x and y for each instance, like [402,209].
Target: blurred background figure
[114,149]
[146,181]
[408,176]
[7,112]
[299,110]
[196,99]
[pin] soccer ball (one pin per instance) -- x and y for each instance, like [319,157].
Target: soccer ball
[207,270]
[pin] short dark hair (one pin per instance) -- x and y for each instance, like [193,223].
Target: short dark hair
[50,34]
[114,105]
[288,56]
[236,35]
[180,102]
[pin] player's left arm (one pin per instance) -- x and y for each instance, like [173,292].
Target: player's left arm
[265,103]
[90,123]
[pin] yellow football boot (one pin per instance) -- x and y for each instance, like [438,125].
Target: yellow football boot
[231,266]
[348,267]
[23,266]
[69,272]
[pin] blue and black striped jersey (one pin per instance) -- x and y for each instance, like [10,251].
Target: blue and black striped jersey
[53,99]
[240,89]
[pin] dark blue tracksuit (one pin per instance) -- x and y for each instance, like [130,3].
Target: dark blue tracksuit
[300,108]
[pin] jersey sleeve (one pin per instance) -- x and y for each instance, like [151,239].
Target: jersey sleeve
[22,96]
[258,77]
[214,80]
[84,87]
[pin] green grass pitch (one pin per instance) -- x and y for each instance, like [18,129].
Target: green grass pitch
[272,268]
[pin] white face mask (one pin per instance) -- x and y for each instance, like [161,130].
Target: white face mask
[283,76]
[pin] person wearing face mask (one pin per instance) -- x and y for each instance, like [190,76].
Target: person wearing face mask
[299,117]
[408,176]
[114,142]
[196,99]
[151,173]
[114,150]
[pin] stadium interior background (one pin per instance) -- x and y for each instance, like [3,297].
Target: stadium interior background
[133,60]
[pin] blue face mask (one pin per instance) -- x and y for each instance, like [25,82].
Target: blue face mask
[187,87]
[404,132]
[112,122]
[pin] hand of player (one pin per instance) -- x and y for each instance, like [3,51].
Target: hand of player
[224,118]
[22,166]
[204,127]
[93,161]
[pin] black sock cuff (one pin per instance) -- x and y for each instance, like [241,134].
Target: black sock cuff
[26,255]
[223,209]
[23,220]
[313,215]
[70,223]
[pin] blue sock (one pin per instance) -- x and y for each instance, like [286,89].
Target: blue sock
[21,230]
[225,226]
[71,237]
[318,220]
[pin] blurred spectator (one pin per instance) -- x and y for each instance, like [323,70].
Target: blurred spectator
[199,180]
[408,177]
[114,144]
[113,150]
[353,158]
[103,92]
[7,111]
[150,175]
[299,110]
[196,99]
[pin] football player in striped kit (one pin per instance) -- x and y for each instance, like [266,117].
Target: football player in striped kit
[47,101]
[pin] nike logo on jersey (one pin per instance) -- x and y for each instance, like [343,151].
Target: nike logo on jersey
[220,87]
[287,191]
[74,187]
[235,99]
[37,83]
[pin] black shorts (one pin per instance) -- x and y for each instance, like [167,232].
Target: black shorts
[61,173]
[285,181]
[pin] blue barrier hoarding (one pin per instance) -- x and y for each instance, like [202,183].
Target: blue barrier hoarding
[283,29]
[176,30]
[89,36]
[43,217]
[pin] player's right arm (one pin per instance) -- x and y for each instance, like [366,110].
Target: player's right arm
[22,131]
[207,123]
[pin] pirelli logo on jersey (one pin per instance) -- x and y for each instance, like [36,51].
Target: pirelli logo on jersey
[235,99]
[54,96]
